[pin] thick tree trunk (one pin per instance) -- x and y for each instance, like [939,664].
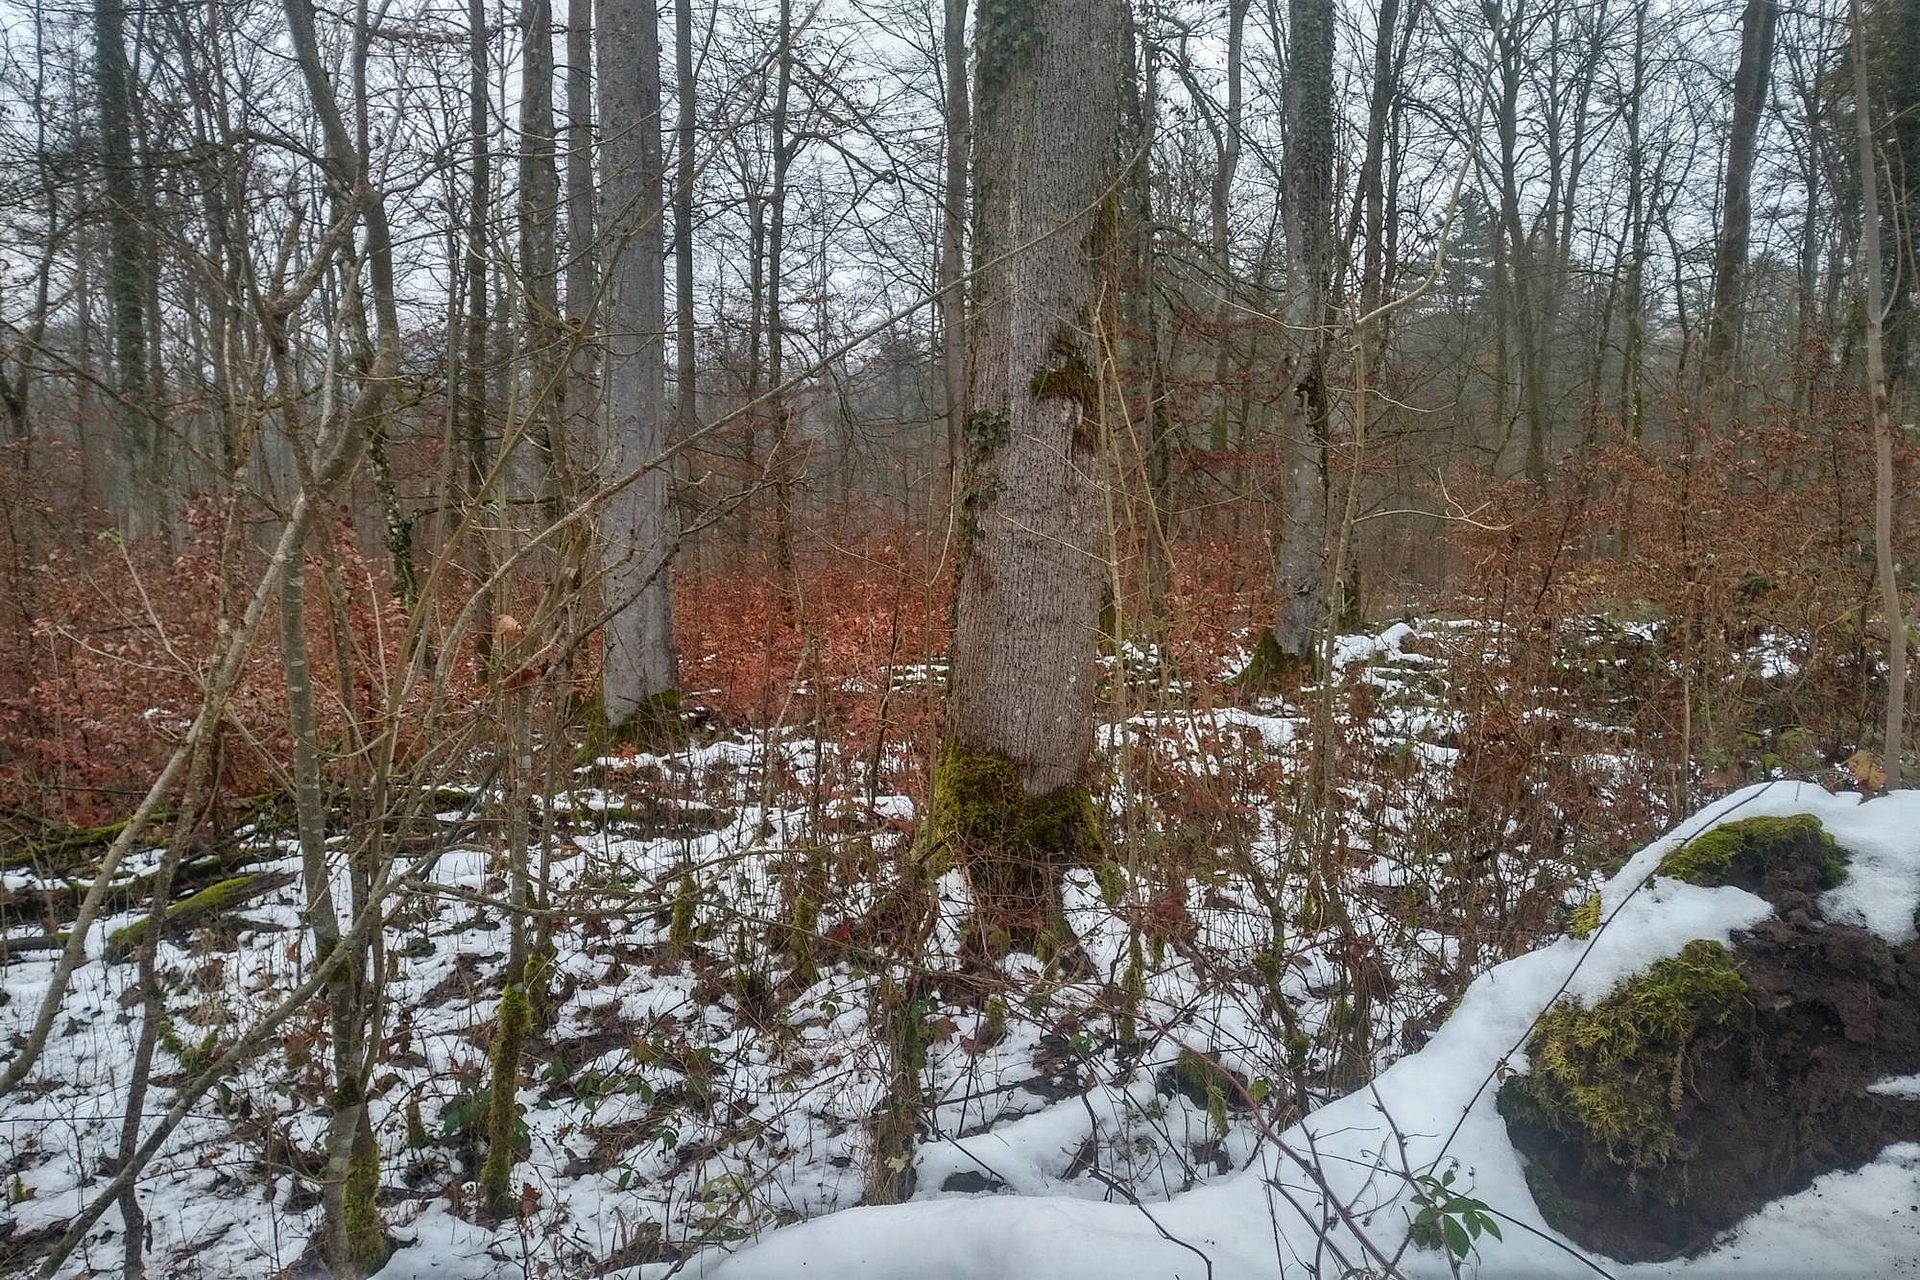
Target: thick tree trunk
[640,684]
[127,271]
[686,389]
[1303,426]
[1010,803]
[1730,255]
[582,274]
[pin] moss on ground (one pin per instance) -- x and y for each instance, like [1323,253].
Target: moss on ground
[1612,1077]
[1766,854]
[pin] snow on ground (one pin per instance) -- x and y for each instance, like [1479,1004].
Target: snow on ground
[1340,1187]
[684,1105]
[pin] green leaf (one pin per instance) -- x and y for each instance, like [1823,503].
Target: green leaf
[1456,1237]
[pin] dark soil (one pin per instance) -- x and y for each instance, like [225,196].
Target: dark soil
[1771,1102]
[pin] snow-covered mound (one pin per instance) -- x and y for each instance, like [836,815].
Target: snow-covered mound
[1339,1192]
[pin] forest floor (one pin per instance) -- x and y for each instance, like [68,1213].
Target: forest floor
[708,1072]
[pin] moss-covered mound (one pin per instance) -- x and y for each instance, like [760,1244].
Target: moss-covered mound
[1716,1082]
[1616,1074]
[1784,860]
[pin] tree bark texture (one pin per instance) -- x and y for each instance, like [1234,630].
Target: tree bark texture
[1308,175]
[1009,792]
[639,676]
[1750,79]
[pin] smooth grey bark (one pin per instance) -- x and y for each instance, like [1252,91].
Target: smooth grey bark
[685,371]
[1308,179]
[582,266]
[1027,602]
[1750,79]
[639,671]
[1227,146]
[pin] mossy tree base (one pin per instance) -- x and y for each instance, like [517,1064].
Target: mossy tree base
[1012,846]
[1272,669]
[656,726]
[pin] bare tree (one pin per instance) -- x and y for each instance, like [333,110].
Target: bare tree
[1873,269]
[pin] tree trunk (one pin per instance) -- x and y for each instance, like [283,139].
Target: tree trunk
[127,270]
[1010,802]
[1730,254]
[779,409]
[686,389]
[1308,170]
[640,684]
[1883,478]
[953,247]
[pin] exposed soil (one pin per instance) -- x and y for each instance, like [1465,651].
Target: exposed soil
[1769,1103]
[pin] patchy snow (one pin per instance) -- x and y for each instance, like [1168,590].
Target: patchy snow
[1336,1190]
[676,1110]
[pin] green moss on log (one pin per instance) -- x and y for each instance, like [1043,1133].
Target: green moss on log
[1612,1077]
[1793,851]
[217,898]
[509,1034]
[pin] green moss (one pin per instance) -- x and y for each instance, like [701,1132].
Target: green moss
[215,899]
[1586,919]
[987,431]
[366,1240]
[978,803]
[417,1137]
[800,937]
[1007,33]
[993,1026]
[1205,1082]
[654,726]
[509,1034]
[686,905]
[1133,994]
[1066,375]
[1765,850]
[1012,845]
[1271,667]
[1612,1077]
